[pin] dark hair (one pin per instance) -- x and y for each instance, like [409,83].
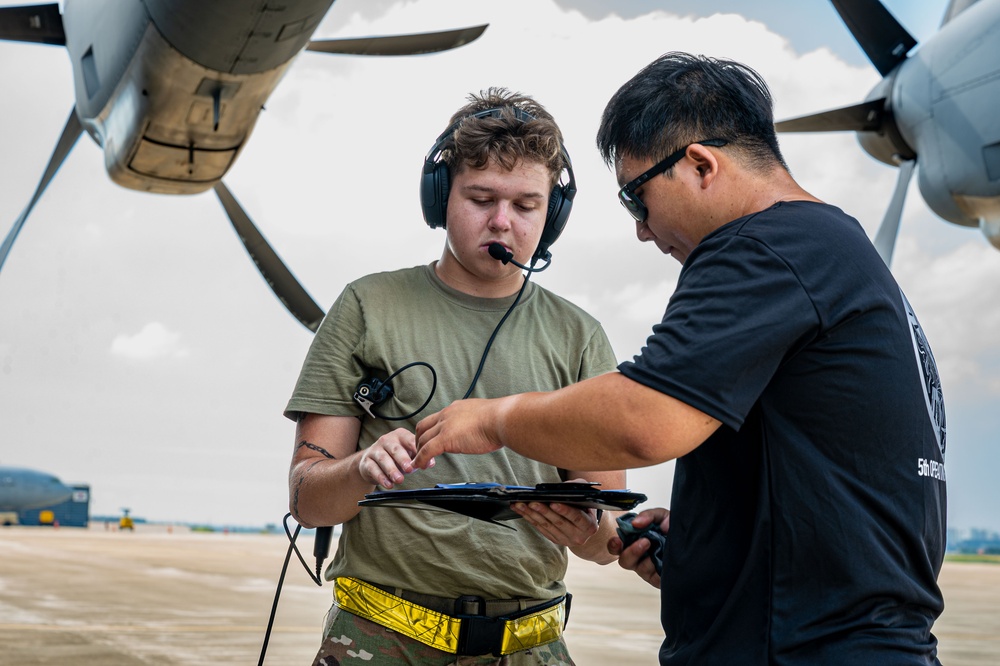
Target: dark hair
[506,138]
[681,98]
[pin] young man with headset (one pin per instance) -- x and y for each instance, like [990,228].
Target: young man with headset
[430,587]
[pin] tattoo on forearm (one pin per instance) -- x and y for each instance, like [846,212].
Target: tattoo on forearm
[295,496]
[301,476]
[317,449]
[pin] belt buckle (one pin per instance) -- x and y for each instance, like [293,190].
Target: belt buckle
[477,633]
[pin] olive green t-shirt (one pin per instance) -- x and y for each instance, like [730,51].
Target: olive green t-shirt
[385,321]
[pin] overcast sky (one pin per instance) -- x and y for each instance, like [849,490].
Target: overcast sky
[141,352]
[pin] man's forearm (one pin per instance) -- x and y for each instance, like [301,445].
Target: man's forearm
[607,422]
[587,426]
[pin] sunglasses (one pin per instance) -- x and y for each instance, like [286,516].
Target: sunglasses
[633,204]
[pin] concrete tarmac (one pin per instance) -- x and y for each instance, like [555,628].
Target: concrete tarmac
[91,597]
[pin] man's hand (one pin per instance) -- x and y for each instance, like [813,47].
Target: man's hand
[634,557]
[386,461]
[562,524]
[464,426]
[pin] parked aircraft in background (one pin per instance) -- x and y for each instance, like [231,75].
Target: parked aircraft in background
[171,90]
[24,489]
[938,106]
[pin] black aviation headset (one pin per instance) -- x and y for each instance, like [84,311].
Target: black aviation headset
[435,183]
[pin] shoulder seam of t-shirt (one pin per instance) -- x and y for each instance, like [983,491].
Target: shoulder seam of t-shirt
[779,257]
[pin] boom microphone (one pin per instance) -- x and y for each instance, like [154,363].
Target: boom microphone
[500,253]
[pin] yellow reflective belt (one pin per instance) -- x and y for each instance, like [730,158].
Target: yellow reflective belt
[367,601]
[438,630]
[533,630]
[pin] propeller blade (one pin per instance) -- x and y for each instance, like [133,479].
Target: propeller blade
[40,24]
[955,7]
[864,117]
[284,285]
[879,34]
[71,132]
[990,226]
[399,45]
[885,238]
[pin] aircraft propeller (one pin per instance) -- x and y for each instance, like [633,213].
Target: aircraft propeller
[399,45]
[44,24]
[885,237]
[71,132]
[886,43]
[284,285]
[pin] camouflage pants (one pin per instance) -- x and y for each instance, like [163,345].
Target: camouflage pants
[353,641]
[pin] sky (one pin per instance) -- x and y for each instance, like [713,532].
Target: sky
[142,353]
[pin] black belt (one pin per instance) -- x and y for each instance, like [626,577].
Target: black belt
[466,604]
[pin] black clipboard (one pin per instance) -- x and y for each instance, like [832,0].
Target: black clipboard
[491,501]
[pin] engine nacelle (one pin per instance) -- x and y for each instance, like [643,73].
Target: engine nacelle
[944,101]
[176,86]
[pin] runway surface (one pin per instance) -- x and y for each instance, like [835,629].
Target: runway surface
[92,597]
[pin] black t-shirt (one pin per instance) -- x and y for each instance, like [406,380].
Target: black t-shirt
[810,528]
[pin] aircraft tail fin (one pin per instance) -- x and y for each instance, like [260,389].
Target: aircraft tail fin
[41,24]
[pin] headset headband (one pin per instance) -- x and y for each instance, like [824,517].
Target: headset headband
[435,184]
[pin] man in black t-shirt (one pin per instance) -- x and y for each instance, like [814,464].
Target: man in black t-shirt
[789,378]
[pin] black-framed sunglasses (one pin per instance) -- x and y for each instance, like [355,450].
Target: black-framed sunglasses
[633,204]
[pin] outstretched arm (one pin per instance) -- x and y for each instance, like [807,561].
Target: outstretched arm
[606,422]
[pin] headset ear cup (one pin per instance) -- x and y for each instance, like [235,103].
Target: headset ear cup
[442,177]
[435,183]
[555,219]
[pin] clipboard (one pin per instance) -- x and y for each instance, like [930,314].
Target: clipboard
[491,501]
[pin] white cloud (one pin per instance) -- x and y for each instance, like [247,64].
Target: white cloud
[955,297]
[153,342]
